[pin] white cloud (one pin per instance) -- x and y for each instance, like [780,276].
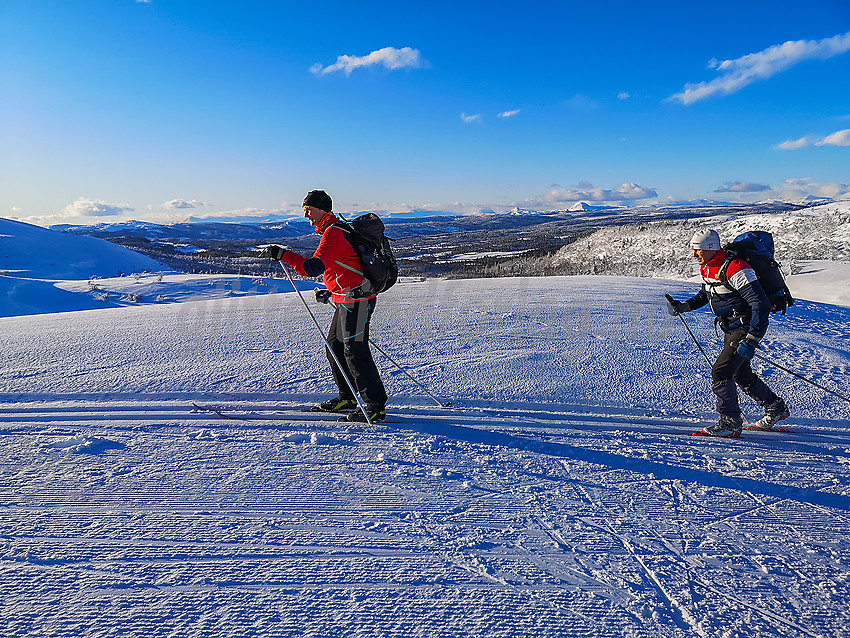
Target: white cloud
[84,207]
[182,203]
[388,57]
[800,188]
[469,119]
[790,145]
[625,193]
[506,114]
[839,138]
[623,95]
[740,72]
[743,187]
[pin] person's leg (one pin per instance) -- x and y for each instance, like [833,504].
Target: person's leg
[336,335]
[358,356]
[723,376]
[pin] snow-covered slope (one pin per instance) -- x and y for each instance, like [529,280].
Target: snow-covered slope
[558,497]
[805,242]
[34,259]
[34,252]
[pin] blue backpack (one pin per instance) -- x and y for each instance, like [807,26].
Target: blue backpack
[756,248]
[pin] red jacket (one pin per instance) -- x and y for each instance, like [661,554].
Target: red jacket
[745,307]
[335,259]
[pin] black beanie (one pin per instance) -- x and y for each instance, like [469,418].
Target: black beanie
[320,200]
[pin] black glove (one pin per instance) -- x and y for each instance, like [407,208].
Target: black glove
[275,253]
[323,296]
[675,308]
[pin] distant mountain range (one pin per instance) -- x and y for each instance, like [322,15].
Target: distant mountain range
[425,245]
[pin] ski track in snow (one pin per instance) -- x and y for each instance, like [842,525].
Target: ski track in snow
[560,496]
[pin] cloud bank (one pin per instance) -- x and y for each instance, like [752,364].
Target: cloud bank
[623,194]
[388,57]
[806,187]
[84,207]
[182,203]
[740,72]
[839,138]
[743,187]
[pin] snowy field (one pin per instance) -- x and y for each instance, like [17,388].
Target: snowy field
[560,496]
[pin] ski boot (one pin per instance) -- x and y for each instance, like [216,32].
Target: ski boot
[773,414]
[376,415]
[728,427]
[335,405]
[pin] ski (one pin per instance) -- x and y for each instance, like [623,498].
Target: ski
[279,415]
[731,435]
[763,429]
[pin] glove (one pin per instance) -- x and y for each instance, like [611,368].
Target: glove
[675,308]
[275,253]
[323,296]
[747,347]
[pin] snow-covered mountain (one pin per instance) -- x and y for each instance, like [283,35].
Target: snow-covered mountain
[38,253]
[44,271]
[807,241]
[202,229]
[33,260]
[656,246]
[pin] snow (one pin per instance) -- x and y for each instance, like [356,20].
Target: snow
[559,497]
[812,245]
[44,271]
[37,253]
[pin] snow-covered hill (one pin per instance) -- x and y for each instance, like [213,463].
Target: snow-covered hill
[806,241]
[33,260]
[44,271]
[558,497]
[34,252]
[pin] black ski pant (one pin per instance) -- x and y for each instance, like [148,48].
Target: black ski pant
[348,337]
[732,369]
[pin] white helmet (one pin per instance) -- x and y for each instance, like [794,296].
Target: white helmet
[705,240]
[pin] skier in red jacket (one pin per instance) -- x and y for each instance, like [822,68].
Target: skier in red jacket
[348,334]
[742,313]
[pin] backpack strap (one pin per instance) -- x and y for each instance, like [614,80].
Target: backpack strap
[721,274]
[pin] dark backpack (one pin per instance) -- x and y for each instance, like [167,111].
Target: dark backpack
[366,236]
[756,248]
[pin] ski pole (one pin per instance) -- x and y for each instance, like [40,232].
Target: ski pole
[763,358]
[409,376]
[800,376]
[690,332]
[327,343]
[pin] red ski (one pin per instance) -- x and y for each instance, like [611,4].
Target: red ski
[731,435]
[762,429]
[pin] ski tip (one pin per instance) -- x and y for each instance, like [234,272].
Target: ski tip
[447,405]
[733,435]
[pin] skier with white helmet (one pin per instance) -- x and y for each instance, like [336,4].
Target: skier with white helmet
[742,314]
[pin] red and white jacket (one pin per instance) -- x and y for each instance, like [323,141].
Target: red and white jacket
[745,307]
[334,259]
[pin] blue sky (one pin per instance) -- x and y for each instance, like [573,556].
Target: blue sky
[121,109]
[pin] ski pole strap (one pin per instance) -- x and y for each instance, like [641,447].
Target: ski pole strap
[800,376]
